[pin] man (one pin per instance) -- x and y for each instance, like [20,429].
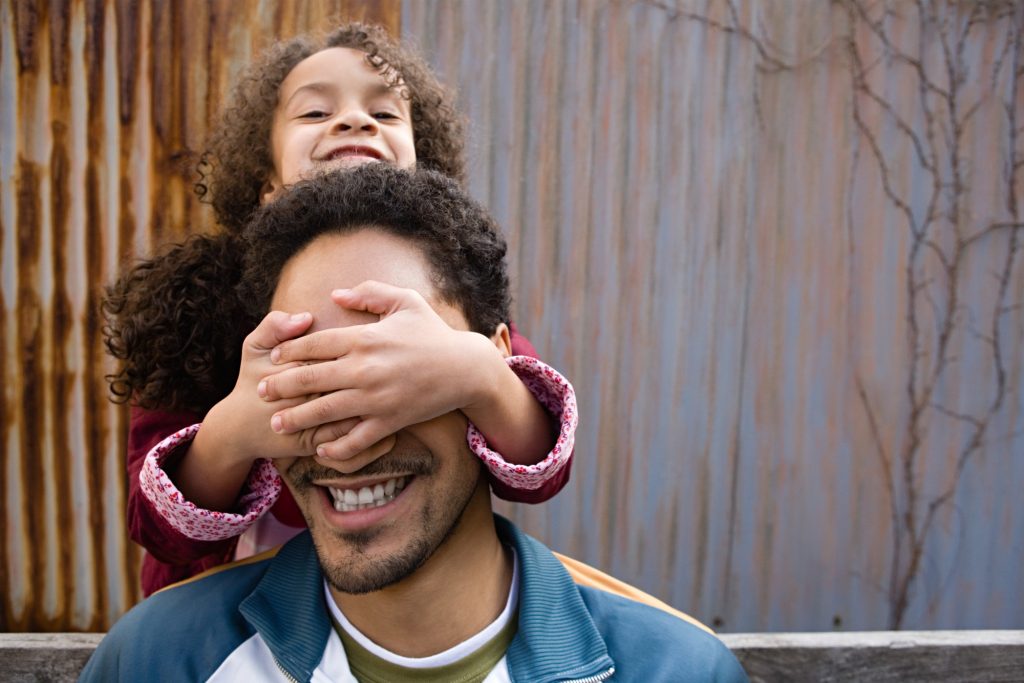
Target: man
[404,573]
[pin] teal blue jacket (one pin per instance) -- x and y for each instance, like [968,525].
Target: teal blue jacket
[267,620]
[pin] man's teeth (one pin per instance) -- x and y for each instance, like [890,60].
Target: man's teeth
[348,500]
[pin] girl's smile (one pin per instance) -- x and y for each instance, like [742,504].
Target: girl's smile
[335,109]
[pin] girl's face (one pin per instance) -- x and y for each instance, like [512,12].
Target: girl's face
[336,110]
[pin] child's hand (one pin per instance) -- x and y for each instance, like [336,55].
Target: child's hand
[242,419]
[236,431]
[407,368]
[245,417]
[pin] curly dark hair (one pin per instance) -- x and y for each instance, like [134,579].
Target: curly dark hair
[238,161]
[178,334]
[461,242]
[173,319]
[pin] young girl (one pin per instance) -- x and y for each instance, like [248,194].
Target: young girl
[212,405]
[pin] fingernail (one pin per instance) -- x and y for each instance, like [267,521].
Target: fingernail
[275,424]
[261,388]
[321,451]
[275,355]
[340,292]
[298,317]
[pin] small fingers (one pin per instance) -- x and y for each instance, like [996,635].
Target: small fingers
[377,297]
[328,432]
[276,327]
[357,459]
[323,345]
[302,379]
[333,407]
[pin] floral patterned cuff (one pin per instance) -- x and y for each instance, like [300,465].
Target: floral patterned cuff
[556,394]
[261,491]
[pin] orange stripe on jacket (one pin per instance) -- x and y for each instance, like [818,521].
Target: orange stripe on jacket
[585,575]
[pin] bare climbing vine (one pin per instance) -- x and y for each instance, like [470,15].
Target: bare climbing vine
[943,322]
[939,316]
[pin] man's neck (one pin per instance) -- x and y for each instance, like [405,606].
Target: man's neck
[457,592]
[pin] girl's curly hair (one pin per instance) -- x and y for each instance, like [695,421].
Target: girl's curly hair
[175,323]
[174,320]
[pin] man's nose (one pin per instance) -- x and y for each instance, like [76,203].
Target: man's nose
[355,118]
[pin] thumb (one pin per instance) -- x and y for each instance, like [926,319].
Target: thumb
[275,328]
[377,298]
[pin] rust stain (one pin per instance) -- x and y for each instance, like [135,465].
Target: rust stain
[128,37]
[94,403]
[59,323]
[32,373]
[9,417]
[57,23]
[27,21]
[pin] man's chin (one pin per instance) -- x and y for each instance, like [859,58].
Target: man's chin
[353,565]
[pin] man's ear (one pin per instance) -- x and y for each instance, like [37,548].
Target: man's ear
[502,338]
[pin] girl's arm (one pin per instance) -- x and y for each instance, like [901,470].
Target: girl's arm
[146,526]
[556,480]
[538,482]
[210,481]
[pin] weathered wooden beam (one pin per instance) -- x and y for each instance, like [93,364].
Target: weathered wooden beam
[881,656]
[56,657]
[877,656]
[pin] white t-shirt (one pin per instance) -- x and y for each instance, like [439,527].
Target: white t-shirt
[467,647]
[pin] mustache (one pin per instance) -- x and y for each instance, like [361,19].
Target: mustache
[305,471]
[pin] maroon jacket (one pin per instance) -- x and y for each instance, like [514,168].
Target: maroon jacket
[171,556]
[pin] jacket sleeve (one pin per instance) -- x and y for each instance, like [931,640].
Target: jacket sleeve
[159,519]
[539,482]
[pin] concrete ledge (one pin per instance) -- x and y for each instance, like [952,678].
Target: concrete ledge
[877,656]
[881,656]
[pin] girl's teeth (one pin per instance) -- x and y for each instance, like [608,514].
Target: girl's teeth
[347,500]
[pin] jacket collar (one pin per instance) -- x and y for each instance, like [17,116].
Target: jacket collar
[287,608]
[556,638]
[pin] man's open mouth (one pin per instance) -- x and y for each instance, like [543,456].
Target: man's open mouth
[363,498]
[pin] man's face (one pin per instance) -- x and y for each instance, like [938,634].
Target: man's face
[378,525]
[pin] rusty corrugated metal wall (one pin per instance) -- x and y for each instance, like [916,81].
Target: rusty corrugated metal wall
[104,106]
[716,213]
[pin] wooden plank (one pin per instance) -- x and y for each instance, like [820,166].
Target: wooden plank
[904,656]
[881,656]
[52,657]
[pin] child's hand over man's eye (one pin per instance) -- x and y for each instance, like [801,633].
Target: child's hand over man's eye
[238,418]
[407,368]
